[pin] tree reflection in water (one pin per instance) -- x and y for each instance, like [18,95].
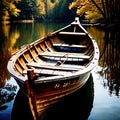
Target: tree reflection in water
[110,62]
[7,41]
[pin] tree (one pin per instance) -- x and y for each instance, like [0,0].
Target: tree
[57,10]
[93,10]
[8,8]
[26,7]
[31,9]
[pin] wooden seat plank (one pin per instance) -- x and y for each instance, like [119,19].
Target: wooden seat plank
[55,67]
[72,33]
[70,46]
[49,72]
[65,55]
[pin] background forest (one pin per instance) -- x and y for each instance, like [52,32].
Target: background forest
[40,10]
[92,11]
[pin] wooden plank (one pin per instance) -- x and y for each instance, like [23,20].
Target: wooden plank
[49,72]
[65,55]
[55,67]
[70,46]
[72,33]
[47,79]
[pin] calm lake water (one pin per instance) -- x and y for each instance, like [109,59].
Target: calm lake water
[99,99]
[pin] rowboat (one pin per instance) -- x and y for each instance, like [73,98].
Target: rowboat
[54,66]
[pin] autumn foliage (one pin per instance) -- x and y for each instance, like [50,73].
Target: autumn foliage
[94,10]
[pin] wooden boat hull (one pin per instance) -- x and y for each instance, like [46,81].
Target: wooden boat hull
[77,105]
[54,66]
[47,95]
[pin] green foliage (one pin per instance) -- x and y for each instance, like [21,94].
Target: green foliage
[34,8]
[48,10]
[58,10]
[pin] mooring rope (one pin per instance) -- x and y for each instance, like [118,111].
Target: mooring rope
[60,62]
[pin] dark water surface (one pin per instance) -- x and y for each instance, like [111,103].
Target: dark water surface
[99,99]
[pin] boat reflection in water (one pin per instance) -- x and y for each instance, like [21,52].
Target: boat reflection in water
[75,106]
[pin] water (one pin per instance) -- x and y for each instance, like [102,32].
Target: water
[97,100]
[106,104]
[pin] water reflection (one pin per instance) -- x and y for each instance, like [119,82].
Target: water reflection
[109,63]
[4,53]
[76,106]
[29,32]
[7,94]
[7,90]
